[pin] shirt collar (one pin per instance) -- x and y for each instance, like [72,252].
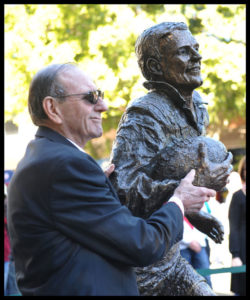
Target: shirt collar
[76,145]
[171,91]
[175,97]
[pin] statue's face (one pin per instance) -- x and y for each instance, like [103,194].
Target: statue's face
[181,60]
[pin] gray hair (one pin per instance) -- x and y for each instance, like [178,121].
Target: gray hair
[148,43]
[45,83]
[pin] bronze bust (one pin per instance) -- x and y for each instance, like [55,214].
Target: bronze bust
[160,137]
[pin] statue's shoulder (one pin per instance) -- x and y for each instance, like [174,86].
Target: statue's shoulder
[151,103]
[142,101]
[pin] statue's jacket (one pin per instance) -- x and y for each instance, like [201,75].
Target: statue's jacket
[147,126]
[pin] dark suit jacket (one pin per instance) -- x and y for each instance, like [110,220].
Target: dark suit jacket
[237,238]
[70,235]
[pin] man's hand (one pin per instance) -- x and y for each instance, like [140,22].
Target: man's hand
[192,197]
[109,170]
[195,246]
[236,262]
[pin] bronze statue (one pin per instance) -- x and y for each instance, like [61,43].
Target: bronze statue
[160,138]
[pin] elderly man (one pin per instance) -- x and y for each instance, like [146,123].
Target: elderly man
[171,114]
[69,233]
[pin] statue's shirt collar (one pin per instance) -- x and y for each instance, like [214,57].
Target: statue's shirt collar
[176,98]
[170,91]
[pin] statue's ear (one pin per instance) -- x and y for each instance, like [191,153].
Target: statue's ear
[154,66]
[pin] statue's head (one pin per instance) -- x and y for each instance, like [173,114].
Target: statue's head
[168,52]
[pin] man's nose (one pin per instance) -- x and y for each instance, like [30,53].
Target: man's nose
[101,105]
[195,54]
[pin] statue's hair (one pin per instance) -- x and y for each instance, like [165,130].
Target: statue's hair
[45,83]
[148,43]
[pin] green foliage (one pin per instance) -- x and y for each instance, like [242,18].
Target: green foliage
[199,7]
[225,11]
[195,25]
[228,99]
[101,38]
[151,9]
[78,21]
[120,51]
[30,9]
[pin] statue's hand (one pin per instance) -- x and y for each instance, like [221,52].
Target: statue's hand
[207,224]
[210,174]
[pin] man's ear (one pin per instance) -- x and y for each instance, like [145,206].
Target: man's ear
[50,106]
[154,66]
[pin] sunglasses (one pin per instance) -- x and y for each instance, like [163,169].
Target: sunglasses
[92,96]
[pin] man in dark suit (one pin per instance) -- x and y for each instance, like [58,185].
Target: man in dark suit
[69,233]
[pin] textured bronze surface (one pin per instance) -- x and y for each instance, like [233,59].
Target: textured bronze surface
[160,138]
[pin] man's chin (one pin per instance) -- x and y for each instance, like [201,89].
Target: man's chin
[194,83]
[97,134]
[198,84]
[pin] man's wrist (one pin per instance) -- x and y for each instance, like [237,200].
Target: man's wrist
[177,201]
